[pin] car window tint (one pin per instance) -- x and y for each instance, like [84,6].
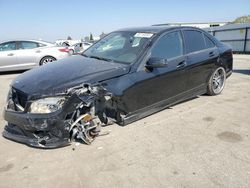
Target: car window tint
[136,41]
[168,46]
[194,41]
[114,43]
[120,47]
[28,45]
[209,43]
[8,46]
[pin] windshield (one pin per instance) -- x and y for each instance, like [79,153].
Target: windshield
[124,47]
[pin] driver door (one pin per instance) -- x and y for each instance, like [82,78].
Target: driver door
[163,85]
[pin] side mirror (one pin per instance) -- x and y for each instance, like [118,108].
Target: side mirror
[156,62]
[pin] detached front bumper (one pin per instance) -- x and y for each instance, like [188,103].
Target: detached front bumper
[37,130]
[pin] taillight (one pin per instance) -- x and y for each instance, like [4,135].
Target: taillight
[63,50]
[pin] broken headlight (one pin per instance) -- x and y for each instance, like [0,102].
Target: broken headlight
[46,105]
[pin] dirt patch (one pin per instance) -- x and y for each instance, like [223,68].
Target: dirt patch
[6,168]
[229,137]
[231,100]
[175,173]
[208,118]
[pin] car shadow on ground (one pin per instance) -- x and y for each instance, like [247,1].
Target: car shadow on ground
[186,100]
[12,72]
[242,71]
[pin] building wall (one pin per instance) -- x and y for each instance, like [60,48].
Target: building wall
[202,25]
[199,25]
[236,35]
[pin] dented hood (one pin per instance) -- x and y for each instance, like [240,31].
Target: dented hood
[59,76]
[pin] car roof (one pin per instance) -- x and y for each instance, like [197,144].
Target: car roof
[29,40]
[155,29]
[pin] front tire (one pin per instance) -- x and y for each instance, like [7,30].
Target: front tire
[216,82]
[47,59]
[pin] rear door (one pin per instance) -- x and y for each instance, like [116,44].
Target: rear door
[202,55]
[8,57]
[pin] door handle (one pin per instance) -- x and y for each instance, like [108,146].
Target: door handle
[38,51]
[11,54]
[181,64]
[211,54]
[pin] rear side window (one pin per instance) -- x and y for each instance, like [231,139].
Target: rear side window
[209,42]
[8,46]
[194,41]
[28,45]
[41,45]
[168,46]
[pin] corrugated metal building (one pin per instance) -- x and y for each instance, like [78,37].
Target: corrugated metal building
[194,24]
[236,35]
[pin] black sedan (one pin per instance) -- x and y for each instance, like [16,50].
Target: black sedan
[127,75]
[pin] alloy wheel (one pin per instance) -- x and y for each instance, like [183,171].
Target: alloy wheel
[218,81]
[47,60]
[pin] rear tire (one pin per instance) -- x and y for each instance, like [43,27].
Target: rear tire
[47,59]
[71,51]
[216,82]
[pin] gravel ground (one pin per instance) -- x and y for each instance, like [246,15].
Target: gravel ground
[203,142]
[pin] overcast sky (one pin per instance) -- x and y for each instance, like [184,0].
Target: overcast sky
[56,19]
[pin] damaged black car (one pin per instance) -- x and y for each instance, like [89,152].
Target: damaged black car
[127,75]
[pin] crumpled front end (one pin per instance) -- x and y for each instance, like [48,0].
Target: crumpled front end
[34,139]
[76,120]
[44,131]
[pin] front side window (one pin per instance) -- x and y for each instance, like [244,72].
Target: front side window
[8,46]
[169,46]
[124,47]
[28,45]
[194,41]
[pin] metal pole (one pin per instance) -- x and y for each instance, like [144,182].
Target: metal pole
[245,41]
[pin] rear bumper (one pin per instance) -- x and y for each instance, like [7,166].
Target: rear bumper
[62,55]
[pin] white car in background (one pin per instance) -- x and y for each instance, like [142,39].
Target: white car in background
[63,42]
[79,47]
[26,54]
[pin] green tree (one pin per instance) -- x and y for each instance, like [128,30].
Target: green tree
[242,19]
[91,37]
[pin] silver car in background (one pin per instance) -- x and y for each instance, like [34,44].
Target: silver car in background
[26,54]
